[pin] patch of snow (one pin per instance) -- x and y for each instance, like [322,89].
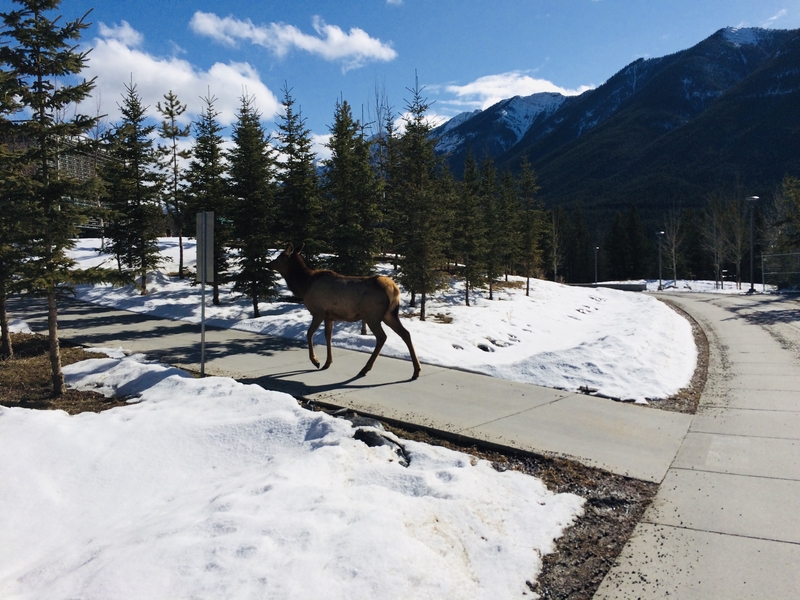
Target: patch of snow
[208,488]
[743,36]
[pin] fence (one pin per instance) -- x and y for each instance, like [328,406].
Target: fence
[781,270]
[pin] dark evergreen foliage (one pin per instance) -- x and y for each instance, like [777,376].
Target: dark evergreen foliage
[352,194]
[39,52]
[133,190]
[299,208]
[252,188]
[469,235]
[207,188]
[170,157]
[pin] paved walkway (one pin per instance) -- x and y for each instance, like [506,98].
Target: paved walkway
[621,438]
[726,520]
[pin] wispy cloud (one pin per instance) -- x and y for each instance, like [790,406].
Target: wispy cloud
[117,58]
[771,21]
[352,49]
[490,89]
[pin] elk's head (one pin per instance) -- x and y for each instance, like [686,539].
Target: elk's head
[282,262]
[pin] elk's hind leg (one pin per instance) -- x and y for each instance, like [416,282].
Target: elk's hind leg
[328,335]
[380,340]
[315,321]
[392,319]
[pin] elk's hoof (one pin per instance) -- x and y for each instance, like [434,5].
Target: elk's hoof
[362,373]
[415,375]
[315,363]
[325,366]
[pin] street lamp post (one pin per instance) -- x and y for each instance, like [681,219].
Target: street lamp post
[596,248]
[751,200]
[660,234]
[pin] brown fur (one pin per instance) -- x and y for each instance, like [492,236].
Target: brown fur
[331,297]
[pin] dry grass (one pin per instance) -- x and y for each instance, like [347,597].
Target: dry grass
[26,379]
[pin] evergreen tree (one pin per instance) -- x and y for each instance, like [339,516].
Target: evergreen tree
[556,238]
[252,174]
[298,199]
[580,250]
[40,54]
[532,224]
[616,249]
[13,223]
[422,244]
[133,190]
[493,257]
[469,235]
[170,158]
[639,247]
[352,193]
[510,217]
[207,188]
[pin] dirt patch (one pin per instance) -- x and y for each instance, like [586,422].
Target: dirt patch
[25,380]
[687,399]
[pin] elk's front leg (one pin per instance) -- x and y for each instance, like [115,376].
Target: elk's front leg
[315,321]
[328,335]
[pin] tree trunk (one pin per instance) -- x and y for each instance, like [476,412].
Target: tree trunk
[363,328]
[491,289]
[180,253]
[256,312]
[528,285]
[55,351]
[422,306]
[6,349]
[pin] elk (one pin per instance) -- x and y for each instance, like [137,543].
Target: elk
[331,297]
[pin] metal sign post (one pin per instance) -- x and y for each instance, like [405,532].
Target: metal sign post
[205,273]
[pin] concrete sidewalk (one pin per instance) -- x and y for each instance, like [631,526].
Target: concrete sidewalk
[726,520]
[621,438]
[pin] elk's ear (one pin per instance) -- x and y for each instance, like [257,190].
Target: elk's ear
[289,249]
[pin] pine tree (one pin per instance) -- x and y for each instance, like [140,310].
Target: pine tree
[510,222]
[616,249]
[170,158]
[207,188]
[532,224]
[352,193]
[494,256]
[252,174]
[41,55]
[133,188]
[13,223]
[299,205]
[422,244]
[469,236]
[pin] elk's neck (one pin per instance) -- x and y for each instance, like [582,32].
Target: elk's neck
[298,277]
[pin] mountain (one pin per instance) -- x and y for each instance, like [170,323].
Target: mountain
[721,115]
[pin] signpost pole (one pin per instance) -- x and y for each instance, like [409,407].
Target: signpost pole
[205,273]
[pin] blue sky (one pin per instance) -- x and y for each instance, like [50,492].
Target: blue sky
[467,54]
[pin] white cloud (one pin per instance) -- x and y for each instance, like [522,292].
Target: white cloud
[771,21]
[117,59]
[353,49]
[490,89]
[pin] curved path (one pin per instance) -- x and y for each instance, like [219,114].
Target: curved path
[726,520]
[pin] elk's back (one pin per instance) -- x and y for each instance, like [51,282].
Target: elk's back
[343,298]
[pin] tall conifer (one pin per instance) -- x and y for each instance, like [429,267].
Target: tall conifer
[298,192]
[352,193]
[207,188]
[252,188]
[133,189]
[40,54]
[171,157]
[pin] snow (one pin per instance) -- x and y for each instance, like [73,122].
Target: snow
[208,488]
[626,345]
[742,36]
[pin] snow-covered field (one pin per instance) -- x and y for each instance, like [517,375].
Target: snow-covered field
[213,489]
[626,345]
